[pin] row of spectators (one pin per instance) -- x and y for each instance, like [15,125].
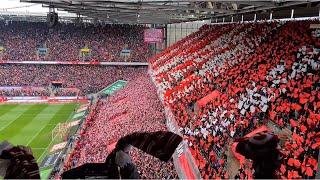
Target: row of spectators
[252,74]
[134,108]
[66,92]
[88,79]
[21,41]
[37,91]
[25,92]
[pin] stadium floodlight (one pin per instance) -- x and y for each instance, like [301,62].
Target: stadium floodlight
[52,17]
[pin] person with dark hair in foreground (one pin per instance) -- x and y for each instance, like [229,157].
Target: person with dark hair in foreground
[17,162]
[261,148]
[118,164]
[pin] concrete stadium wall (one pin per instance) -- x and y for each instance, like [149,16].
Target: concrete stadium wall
[177,31]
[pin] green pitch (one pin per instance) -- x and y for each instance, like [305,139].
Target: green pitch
[32,124]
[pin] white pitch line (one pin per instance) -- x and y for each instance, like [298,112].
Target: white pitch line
[36,135]
[69,118]
[4,127]
[47,148]
[33,137]
[38,148]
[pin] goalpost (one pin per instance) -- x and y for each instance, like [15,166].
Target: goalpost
[60,131]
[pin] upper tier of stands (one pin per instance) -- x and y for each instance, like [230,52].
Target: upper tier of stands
[22,39]
[224,81]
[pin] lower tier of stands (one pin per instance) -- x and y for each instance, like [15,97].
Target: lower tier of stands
[134,108]
[88,79]
[14,91]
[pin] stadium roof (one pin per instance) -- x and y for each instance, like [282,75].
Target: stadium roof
[170,11]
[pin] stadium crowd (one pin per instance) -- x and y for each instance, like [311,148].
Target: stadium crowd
[82,77]
[38,91]
[24,92]
[221,83]
[66,92]
[134,108]
[224,81]
[64,42]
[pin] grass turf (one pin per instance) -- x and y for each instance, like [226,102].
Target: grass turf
[32,124]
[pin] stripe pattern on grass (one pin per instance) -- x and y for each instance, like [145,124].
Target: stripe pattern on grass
[32,124]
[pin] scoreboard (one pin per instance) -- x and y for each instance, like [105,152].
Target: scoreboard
[153,35]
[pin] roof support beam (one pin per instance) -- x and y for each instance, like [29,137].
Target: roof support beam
[165,11]
[137,4]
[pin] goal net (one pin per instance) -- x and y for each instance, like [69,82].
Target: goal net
[60,131]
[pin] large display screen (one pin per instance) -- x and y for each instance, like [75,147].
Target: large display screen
[153,35]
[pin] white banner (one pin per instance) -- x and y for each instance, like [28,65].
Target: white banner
[39,99]
[78,62]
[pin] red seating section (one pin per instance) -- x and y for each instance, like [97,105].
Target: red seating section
[264,72]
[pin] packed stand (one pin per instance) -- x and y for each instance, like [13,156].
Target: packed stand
[24,92]
[37,91]
[134,108]
[66,92]
[254,73]
[88,79]
[64,42]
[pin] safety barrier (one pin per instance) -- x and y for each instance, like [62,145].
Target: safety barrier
[78,63]
[182,158]
[43,99]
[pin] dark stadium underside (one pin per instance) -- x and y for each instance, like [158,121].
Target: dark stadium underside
[174,11]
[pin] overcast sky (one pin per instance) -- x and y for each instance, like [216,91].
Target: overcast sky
[33,8]
[17,3]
